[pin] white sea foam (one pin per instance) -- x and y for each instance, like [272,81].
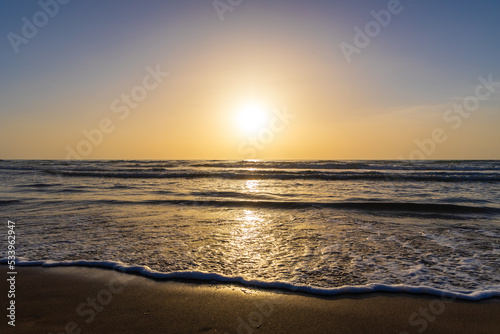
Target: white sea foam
[276,222]
[210,277]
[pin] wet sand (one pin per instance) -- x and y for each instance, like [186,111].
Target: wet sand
[89,300]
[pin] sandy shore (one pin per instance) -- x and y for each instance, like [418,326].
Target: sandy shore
[85,300]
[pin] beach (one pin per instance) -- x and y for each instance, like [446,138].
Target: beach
[250,167]
[90,300]
[252,246]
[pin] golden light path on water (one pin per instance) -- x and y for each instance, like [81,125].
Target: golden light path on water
[252,186]
[253,240]
[196,224]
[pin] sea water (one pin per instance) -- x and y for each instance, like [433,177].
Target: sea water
[323,227]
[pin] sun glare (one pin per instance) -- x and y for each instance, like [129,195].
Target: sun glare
[252,116]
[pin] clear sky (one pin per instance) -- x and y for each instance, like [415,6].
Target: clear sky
[283,79]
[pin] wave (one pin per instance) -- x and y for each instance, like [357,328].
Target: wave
[276,285]
[36,185]
[283,175]
[232,194]
[10,201]
[421,208]
[353,164]
[284,164]
[406,165]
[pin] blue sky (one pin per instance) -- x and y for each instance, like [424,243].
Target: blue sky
[285,53]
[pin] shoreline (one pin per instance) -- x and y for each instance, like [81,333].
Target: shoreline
[198,277]
[92,300]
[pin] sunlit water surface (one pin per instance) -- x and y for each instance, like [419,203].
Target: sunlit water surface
[322,223]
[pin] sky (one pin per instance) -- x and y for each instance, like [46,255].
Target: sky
[249,79]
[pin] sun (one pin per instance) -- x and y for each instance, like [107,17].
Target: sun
[252,116]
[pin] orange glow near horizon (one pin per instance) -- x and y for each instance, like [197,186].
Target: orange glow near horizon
[199,88]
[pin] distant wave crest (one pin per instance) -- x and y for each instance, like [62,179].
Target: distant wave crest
[420,208]
[284,175]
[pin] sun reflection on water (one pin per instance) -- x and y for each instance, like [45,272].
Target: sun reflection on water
[252,240]
[252,186]
[250,225]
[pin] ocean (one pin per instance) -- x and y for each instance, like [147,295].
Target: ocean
[323,227]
